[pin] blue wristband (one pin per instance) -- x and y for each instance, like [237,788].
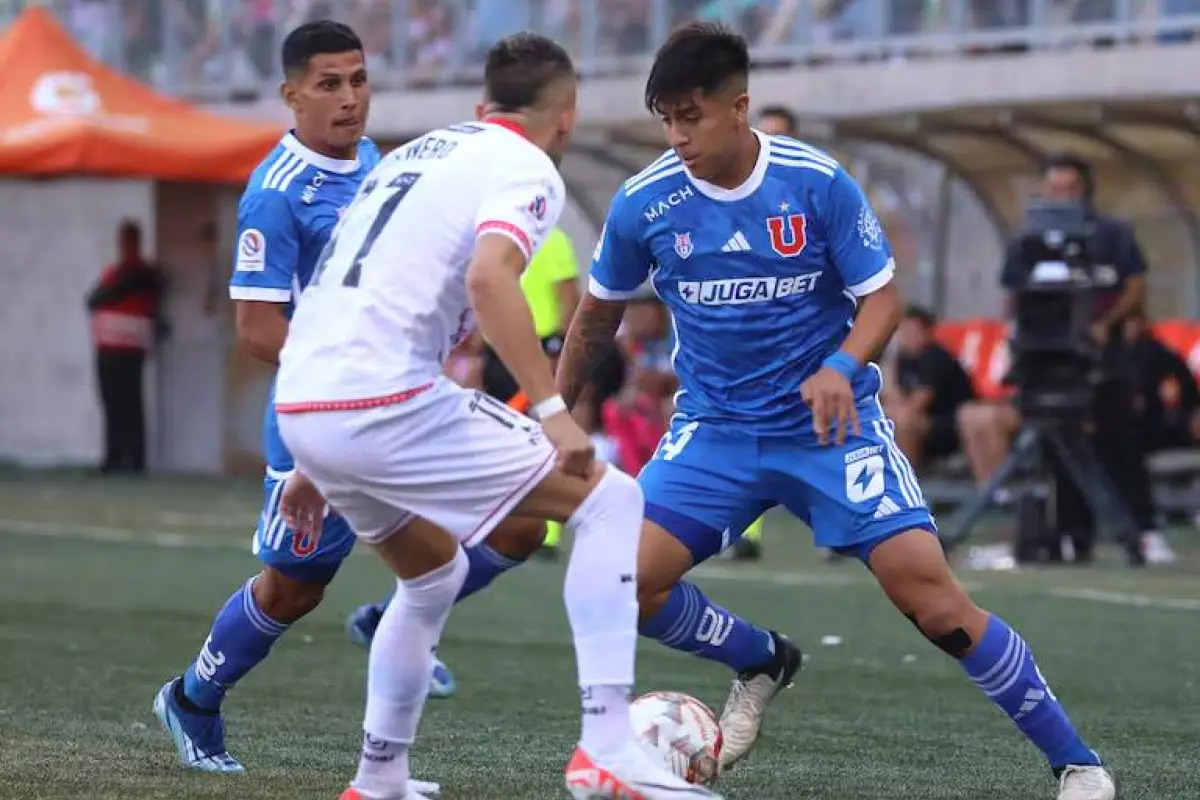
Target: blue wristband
[844,364]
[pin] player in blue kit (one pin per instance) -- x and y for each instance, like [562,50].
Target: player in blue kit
[285,218]
[780,282]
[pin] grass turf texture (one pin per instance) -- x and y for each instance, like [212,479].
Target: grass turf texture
[108,587]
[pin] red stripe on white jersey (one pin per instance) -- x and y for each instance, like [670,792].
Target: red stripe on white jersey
[351,405]
[510,230]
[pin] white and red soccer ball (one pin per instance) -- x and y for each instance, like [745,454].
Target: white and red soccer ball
[680,732]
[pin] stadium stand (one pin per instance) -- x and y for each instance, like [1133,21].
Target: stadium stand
[206,46]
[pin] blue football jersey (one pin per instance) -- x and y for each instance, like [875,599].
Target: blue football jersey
[761,281]
[285,217]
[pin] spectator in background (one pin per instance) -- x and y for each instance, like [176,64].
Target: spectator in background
[930,387]
[986,430]
[1166,399]
[124,312]
[777,121]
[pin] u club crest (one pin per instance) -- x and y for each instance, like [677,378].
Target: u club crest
[788,235]
[683,244]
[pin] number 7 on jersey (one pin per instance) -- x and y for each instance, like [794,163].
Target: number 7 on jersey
[398,189]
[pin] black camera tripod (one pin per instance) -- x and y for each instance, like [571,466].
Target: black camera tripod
[1044,439]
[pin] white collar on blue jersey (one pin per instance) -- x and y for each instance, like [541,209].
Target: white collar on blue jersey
[751,184]
[294,145]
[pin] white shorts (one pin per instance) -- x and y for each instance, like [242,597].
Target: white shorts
[458,458]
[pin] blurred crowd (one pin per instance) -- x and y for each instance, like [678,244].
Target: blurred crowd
[191,44]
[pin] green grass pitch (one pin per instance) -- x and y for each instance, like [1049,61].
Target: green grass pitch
[107,589]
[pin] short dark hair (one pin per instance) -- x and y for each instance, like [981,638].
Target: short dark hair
[921,315]
[130,227]
[1080,165]
[313,39]
[783,112]
[519,67]
[699,55]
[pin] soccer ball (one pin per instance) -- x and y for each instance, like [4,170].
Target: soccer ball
[680,732]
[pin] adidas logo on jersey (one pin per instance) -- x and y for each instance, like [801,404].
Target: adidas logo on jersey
[736,244]
[887,506]
[740,291]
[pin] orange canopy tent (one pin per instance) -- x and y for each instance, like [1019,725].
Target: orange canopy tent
[62,112]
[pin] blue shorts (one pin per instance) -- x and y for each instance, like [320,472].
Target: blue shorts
[707,483]
[304,558]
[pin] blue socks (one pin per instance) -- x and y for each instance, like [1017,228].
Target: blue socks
[241,637]
[692,623]
[1003,667]
[484,566]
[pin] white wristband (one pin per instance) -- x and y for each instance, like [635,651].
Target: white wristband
[549,407]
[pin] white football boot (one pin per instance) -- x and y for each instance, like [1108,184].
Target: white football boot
[751,695]
[629,775]
[1086,783]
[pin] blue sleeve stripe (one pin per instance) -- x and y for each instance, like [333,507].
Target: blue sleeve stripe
[665,171]
[797,149]
[283,163]
[668,157]
[803,164]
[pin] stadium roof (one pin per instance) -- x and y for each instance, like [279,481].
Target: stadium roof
[63,112]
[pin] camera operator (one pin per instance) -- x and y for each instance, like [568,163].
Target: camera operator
[1118,276]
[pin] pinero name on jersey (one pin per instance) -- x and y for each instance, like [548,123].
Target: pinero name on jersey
[761,281]
[389,299]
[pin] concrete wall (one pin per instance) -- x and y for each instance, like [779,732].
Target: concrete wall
[58,235]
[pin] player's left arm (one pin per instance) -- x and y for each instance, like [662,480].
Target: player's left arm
[859,251]
[516,215]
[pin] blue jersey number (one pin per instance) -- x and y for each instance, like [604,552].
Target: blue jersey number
[399,187]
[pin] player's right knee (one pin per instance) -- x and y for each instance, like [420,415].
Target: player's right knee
[612,508]
[436,591]
[285,599]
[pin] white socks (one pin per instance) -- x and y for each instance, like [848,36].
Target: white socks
[401,664]
[601,600]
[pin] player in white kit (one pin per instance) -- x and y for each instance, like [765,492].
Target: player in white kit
[438,236]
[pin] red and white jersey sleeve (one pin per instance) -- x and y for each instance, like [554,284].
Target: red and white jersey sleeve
[523,200]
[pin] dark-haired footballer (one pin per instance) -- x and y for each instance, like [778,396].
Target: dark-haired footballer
[763,248]
[285,218]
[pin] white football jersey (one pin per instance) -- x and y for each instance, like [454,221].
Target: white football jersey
[389,300]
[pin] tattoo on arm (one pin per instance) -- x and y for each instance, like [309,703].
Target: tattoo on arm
[591,335]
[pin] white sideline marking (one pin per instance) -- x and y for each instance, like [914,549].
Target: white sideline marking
[205,520]
[110,535]
[1122,599]
[743,575]
[165,539]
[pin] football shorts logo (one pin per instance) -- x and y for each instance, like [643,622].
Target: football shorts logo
[869,229]
[251,251]
[788,236]
[683,244]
